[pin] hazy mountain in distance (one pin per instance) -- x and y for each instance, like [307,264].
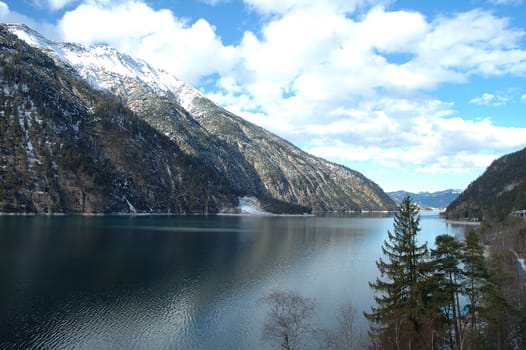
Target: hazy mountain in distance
[434,200]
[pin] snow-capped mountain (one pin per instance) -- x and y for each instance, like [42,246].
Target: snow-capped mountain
[104,67]
[246,159]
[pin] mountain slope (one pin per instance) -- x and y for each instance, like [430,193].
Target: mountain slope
[436,200]
[501,187]
[67,148]
[252,161]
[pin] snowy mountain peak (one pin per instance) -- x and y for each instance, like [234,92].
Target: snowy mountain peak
[105,68]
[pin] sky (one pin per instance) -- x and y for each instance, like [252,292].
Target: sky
[416,95]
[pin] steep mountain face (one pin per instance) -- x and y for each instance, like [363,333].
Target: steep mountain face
[240,158]
[502,187]
[435,200]
[66,147]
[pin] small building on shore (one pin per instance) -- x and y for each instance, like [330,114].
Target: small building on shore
[519,213]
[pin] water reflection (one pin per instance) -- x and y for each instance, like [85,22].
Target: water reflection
[176,282]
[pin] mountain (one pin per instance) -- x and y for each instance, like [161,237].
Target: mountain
[501,188]
[67,148]
[90,129]
[435,200]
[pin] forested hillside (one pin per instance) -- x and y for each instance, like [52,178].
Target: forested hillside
[501,188]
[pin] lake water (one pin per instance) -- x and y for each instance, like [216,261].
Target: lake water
[169,282]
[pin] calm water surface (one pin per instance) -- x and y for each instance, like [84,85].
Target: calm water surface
[168,282]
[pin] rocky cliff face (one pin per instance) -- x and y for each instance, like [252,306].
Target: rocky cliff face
[499,190]
[174,145]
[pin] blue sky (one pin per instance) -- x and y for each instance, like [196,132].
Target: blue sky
[417,95]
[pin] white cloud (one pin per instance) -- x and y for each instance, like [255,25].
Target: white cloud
[311,56]
[191,51]
[506,2]
[475,42]
[214,2]
[56,5]
[4,9]
[341,69]
[488,99]
[282,7]
[460,163]
[59,4]
[422,134]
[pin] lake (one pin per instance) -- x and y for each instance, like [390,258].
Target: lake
[180,282]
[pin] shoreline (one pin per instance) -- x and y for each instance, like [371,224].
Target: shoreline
[131,214]
[463,222]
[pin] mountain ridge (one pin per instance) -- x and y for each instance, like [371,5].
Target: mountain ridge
[501,189]
[67,148]
[249,160]
[432,200]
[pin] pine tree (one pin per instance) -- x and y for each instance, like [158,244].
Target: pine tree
[400,315]
[478,288]
[446,261]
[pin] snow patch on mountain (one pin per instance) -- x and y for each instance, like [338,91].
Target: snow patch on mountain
[520,261]
[248,205]
[106,68]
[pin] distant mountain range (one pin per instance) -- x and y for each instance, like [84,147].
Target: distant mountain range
[87,129]
[499,190]
[431,200]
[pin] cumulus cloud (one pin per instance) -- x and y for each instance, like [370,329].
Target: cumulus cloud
[4,9]
[324,55]
[156,36]
[475,42]
[422,133]
[424,157]
[59,4]
[354,89]
[282,7]
[488,99]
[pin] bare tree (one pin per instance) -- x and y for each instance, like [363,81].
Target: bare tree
[289,320]
[347,334]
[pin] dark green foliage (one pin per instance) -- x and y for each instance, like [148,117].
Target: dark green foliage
[400,317]
[502,188]
[477,278]
[277,206]
[503,303]
[449,276]
[449,299]
[468,297]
